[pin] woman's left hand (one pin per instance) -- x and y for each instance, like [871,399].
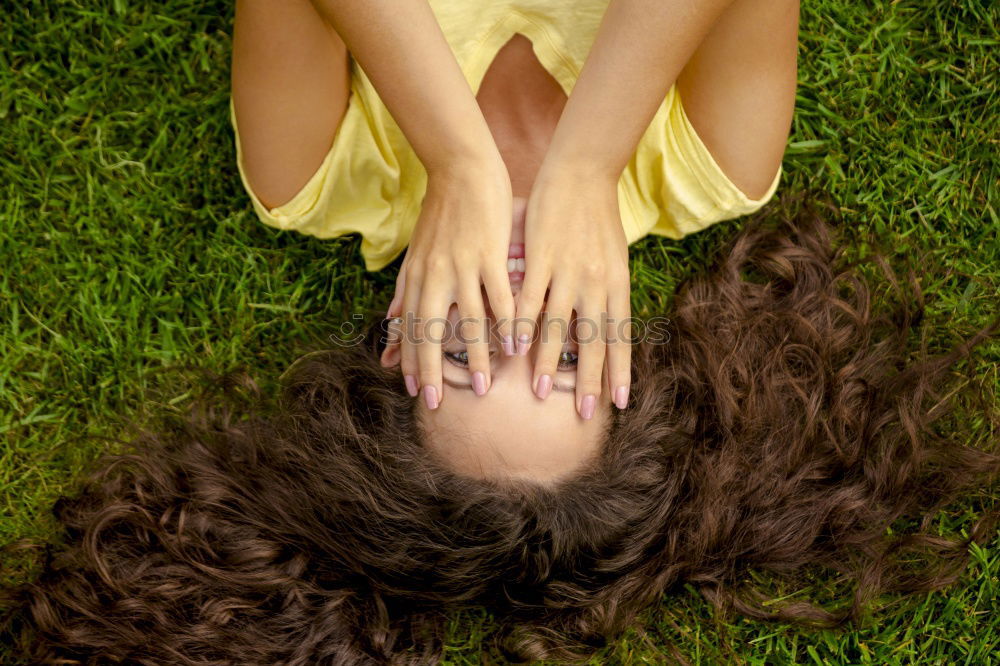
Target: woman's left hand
[576,249]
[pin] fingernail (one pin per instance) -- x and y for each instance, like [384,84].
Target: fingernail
[621,397]
[508,345]
[544,386]
[411,385]
[587,406]
[522,344]
[431,396]
[479,382]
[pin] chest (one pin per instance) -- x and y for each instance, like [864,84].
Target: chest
[521,103]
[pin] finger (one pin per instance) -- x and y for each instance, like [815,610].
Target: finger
[589,330]
[472,331]
[552,336]
[618,333]
[431,326]
[408,362]
[394,331]
[529,304]
[497,284]
[396,304]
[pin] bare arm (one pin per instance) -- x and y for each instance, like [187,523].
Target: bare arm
[640,49]
[461,238]
[402,49]
[575,248]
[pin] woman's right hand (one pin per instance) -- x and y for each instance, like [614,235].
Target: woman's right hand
[459,244]
[460,240]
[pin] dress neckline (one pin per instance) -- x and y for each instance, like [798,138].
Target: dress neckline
[552,58]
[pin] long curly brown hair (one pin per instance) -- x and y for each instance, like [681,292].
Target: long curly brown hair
[786,422]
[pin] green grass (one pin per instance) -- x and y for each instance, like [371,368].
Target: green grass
[128,249]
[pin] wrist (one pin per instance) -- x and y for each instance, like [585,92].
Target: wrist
[474,167]
[561,169]
[466,146]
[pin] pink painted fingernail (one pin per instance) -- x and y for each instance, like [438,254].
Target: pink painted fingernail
[479,382]
[587,406]
[411,385]
[621,397]
[544,386]
[522,344]
[508,345]
[431,397]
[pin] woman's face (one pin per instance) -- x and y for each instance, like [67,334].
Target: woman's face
[509,431]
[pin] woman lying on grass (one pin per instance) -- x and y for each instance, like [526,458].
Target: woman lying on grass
[781,421]
[511,196]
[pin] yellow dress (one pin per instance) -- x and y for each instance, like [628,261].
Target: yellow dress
[372,183]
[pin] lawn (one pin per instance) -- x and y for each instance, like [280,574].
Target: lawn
[129,253]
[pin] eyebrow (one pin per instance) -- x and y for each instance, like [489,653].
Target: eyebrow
[468,387]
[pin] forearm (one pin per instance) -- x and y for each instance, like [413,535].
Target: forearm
[640,49]
[401,48]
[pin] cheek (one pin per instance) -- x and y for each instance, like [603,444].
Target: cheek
[450,421]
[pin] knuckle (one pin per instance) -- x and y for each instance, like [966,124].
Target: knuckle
[531,296]
[556,331]
[623,379]
[470,332]
[619,356]
[428,375]
[593,271]
[504,311]
[618,362]
[429,329]
[502,325]
[413,272]
[502,304]
[472,307]
[466,256]
[546,364]
[525,315]
[435,264]
[619,277]
[527,329]
[591,362]
[527,307]
[479,358]
[469,327]
[625,331]
[503,322]
[439,262]
[588,331]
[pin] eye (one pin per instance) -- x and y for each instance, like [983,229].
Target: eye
[459,358]
[567,360]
